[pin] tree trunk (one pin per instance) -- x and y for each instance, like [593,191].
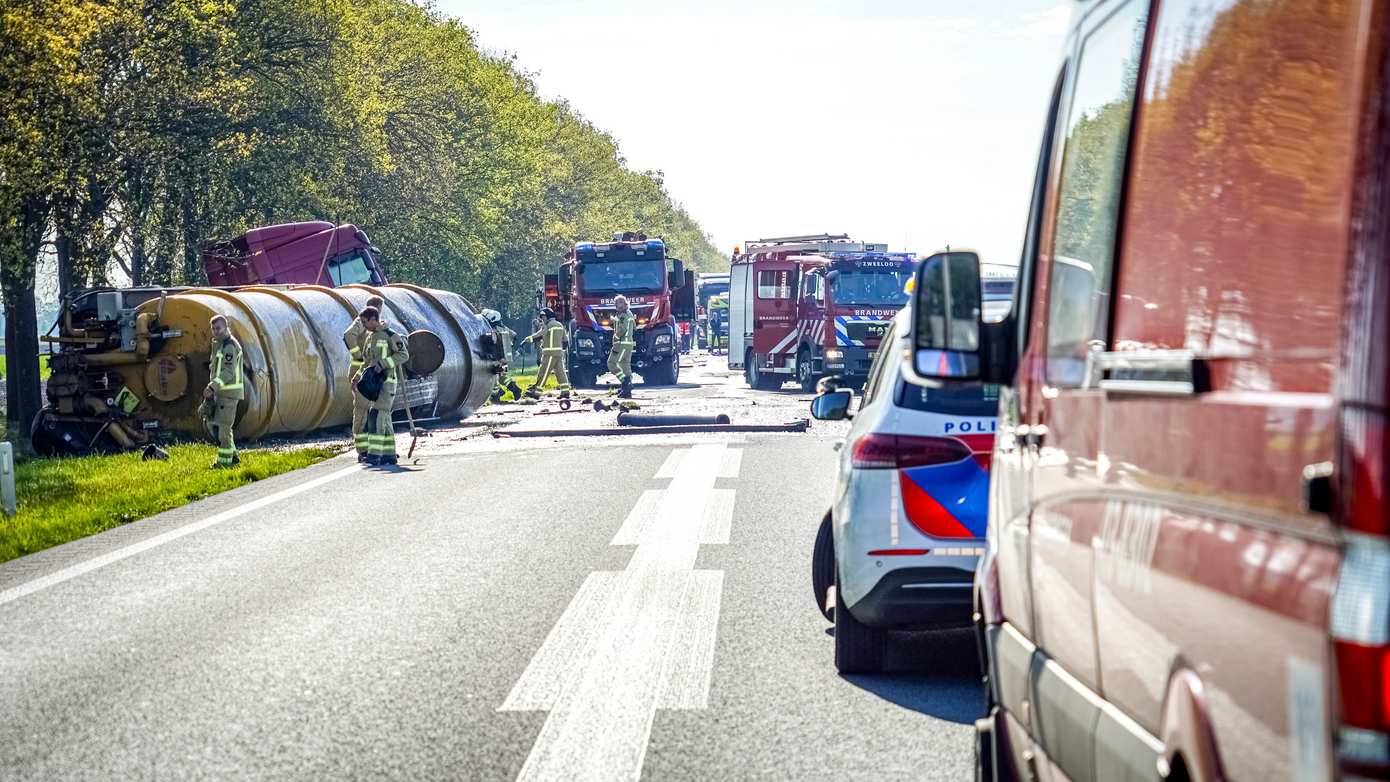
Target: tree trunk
[21,323]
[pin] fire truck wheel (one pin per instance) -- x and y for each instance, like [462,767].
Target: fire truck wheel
[823,567]
[666,373]
[858,647]
[805,375]
[582,377]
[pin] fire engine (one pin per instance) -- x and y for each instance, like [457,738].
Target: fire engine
[801,307]
[591,277]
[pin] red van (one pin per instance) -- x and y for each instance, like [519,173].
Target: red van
[1188,565]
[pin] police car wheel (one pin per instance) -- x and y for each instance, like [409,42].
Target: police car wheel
[823,567]
[858,647]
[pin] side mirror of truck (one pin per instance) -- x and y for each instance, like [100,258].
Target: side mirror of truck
[676,278]
[831,406]
[944,342]
[564,280]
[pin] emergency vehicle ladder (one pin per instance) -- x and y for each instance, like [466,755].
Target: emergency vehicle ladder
[812,243]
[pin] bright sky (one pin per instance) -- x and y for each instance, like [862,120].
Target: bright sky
[911,122]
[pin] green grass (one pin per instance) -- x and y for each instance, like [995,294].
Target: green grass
[65,499]
[44,372]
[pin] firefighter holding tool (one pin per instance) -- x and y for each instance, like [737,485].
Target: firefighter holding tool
[620,356]
[554,342]
[384,355]
[356,338]
[224,390]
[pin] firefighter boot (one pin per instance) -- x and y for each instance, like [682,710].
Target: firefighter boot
[625,390]
[532,393]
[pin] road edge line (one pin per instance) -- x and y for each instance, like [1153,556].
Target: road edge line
[73,571]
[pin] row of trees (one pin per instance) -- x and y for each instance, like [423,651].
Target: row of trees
[133,133]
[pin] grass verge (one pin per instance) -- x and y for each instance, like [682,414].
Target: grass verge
[65,499]
[44,371]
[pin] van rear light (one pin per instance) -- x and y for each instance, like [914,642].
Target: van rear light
[1361,604]
[900,452]
[1364,478]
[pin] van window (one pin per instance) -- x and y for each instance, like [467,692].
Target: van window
[979,399]
[1088,207]
[775,284]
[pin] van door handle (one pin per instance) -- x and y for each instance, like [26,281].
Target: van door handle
[1034,436]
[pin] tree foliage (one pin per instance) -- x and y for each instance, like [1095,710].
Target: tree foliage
[136,132]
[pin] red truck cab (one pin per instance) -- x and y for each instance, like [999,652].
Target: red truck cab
[803,307]
[593,275]
[309,253]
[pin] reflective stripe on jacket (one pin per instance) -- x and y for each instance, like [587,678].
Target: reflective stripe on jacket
[225,368]
[387,349]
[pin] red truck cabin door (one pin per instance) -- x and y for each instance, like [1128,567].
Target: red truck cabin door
[774,287]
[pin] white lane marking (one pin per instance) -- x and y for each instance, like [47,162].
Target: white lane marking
[672,463]
[733,462]
[111,557]
[539,686]
[650,646]
[686,685]
[638,518]
[718,517]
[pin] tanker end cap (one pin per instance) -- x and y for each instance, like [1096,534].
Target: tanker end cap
[166,378]
[426,352]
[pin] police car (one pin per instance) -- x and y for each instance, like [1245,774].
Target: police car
[898,548]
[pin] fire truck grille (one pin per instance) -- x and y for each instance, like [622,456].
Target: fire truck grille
[860,330]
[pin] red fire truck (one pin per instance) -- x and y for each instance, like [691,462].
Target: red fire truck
[801,307]
[312,253]
[591,277]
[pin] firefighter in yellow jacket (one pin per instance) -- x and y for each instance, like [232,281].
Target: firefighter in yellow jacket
[384,351]
[356,338]
[224,390]
[620,356]
[554,342]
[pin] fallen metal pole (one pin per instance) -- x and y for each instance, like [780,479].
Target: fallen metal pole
[799,425]
[649,419]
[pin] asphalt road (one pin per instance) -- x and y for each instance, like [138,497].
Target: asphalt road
[540,608]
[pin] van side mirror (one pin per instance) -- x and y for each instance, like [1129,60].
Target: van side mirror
[945,337]
[831,406]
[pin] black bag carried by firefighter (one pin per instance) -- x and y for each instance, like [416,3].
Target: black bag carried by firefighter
[371,382]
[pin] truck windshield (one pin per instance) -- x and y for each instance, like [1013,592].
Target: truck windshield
[711,289]
[349,270]
[622,276]
[878,287]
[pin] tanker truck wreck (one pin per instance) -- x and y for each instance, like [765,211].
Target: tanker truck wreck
[130,365]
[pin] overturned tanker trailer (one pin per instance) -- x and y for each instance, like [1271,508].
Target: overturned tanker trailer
[131,364]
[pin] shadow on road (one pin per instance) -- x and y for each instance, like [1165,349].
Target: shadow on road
[935,673]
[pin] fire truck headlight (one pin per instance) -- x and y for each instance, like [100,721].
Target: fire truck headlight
[663,339]
[834,355]
[585,342]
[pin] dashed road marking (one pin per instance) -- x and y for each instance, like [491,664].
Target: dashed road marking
[637,640]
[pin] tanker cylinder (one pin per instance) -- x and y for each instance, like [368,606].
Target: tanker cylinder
[138,370]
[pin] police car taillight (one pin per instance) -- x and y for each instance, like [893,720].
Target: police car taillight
[900,452]
[1361,604]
